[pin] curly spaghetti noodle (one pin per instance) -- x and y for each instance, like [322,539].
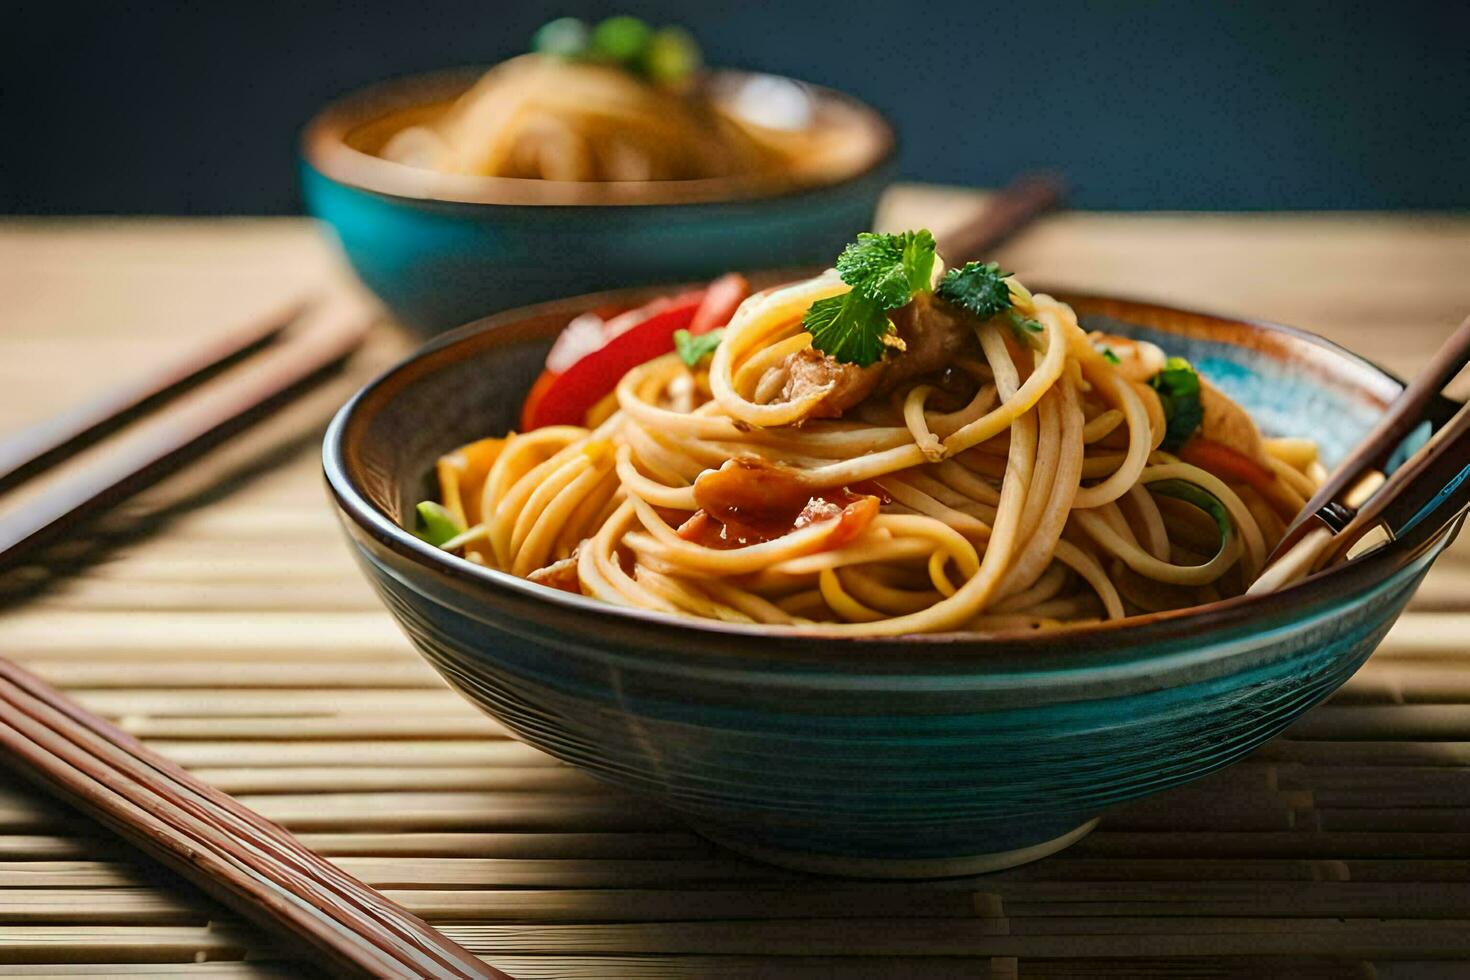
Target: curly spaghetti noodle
[545,118]
[1022,486]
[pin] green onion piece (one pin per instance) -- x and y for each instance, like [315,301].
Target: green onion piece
[435,524]
[1109,356]
[565,37]
[693,349]
[1023,325]
[1201,498]
[1178,387]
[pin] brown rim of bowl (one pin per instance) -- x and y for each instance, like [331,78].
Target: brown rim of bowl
[1223,615]
[324,147]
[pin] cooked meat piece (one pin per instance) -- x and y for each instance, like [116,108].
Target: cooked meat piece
[810,370]
[932,336]
[559,575]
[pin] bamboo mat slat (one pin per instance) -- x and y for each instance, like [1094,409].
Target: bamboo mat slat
[120,943]
[104,906]
[652,846]
[232,970]
[239,639]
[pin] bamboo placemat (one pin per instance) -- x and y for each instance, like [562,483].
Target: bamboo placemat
[239,639]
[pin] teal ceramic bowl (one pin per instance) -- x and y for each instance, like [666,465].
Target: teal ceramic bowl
[440,250]
[909,756]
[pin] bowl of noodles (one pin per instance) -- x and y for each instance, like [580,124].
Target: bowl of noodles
[605,156]
[897,571]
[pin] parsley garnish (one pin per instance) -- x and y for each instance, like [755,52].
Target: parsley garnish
[1108,355]
[885,272]
[979,287]
[889,268]
[694,349]
[849,327]
[435,524]
[620,38]
[667,55]
[1178,388]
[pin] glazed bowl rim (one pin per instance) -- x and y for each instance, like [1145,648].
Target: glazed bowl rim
[582,615]
[324,149]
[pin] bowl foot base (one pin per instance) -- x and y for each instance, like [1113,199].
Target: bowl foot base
[865,867]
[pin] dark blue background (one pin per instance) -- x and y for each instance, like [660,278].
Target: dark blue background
[193,108]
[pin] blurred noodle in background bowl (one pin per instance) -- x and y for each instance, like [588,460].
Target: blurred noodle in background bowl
[606,156]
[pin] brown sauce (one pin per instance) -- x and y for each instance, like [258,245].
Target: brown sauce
[748,502]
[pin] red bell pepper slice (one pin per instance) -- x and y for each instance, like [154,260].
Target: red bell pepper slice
[720,301]
[1228,464]
[565,397]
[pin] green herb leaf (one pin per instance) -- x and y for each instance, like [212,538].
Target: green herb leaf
[884,271]
[979,287]
[849,327]
[888,269]
[622,39]
[671,56]
[1178,388]
[435,524]
[565,37]
[1201,498]
[663,57]
[694,349]
[1108,355]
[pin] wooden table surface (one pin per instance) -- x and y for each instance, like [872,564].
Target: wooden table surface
[224,623]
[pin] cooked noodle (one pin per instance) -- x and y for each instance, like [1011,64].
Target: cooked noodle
[1025,487]
[551,119]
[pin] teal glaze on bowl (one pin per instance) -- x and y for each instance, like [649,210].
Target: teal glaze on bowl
[437,264]
[945,766]
[440,250]
[907,756]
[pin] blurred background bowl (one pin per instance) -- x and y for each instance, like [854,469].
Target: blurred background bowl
[908,756]
[440,249]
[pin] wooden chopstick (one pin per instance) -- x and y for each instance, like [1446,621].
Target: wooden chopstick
[165,441]
[1431,478]
[242,859]
[1006,212]
[1374,452]
[236,855]
[33,449]
[1332,521]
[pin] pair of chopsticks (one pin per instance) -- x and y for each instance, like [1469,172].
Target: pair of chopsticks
[166,418]
[160,422]
[1421,496]
[230,851]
